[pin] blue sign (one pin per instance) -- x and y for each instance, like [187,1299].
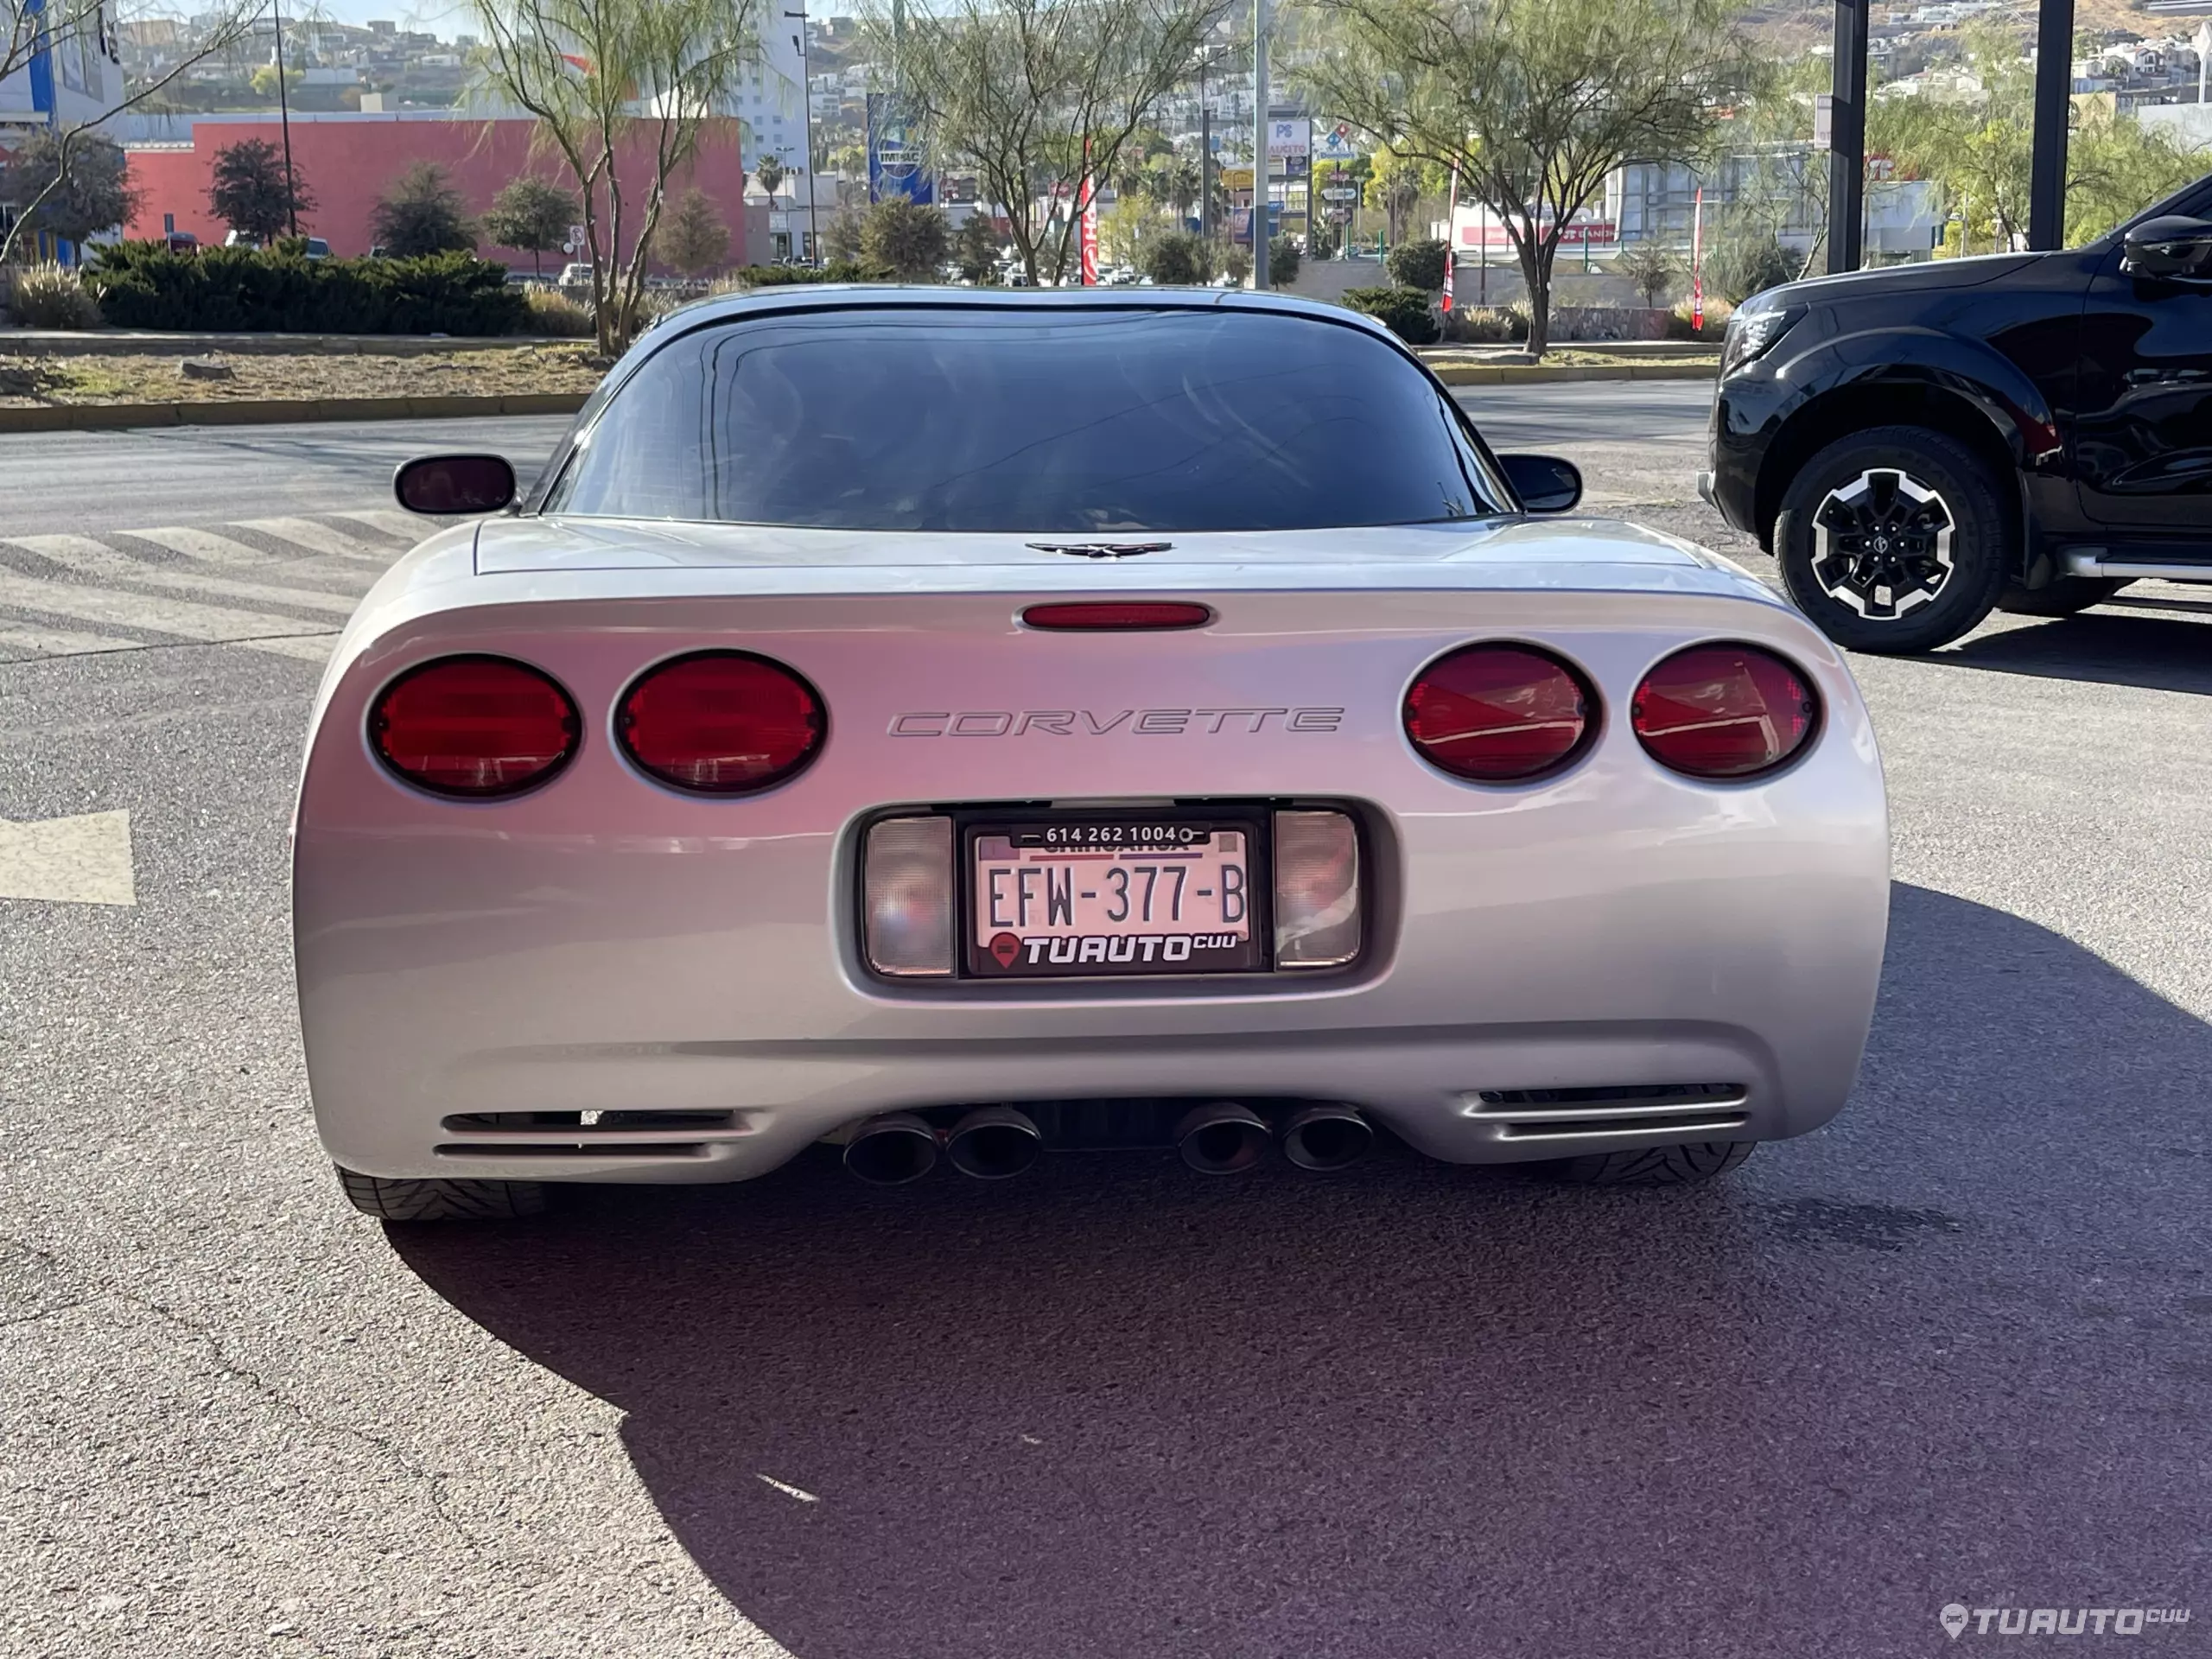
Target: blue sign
[895,166]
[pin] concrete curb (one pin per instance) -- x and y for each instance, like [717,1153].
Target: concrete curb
[126,343]
[269,412]
[1524,374]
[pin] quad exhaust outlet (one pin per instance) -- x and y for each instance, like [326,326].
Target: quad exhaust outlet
[1222,1139]
[892,1150]
[1326,1137]
[993,1142]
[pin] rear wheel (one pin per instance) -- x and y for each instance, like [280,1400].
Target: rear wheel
[2068,597]
[1685,1165]
[1894,540]
[442,1200]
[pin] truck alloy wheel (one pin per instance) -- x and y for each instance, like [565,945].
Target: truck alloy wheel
[1882,544]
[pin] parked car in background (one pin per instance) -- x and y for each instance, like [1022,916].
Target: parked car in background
[576,275]
[2027,432]
[242,239]
[181,241]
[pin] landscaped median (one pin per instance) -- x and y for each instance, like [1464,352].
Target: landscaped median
[55,385]
[57,382]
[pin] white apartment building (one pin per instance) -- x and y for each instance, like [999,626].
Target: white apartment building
[772,97]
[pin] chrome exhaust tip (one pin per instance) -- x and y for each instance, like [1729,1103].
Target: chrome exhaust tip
[892,1150]
[1326,1137]
[1222,1139]
[993,1142]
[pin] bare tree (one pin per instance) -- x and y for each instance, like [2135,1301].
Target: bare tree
[602,76]
[88,31]
[1013,88]
[1534,101]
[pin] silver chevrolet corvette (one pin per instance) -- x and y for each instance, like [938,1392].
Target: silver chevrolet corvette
[954,725]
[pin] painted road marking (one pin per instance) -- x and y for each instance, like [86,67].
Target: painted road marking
[411,528]
[116,567]
[77,861]
[319,572]
[320,537]
[210,624]
[205,545]
[57,642]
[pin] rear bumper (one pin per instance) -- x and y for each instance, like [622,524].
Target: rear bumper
[606,945]
[1472,1095]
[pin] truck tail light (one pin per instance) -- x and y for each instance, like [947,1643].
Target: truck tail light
[906,897]
[1724,711]
[1317,923]
[475,728]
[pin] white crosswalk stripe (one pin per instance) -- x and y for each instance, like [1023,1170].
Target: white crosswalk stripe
[110,600]
[99,561]
[206,546]
[318,537]
[407,526]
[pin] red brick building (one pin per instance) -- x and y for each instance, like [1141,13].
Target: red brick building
[346,162]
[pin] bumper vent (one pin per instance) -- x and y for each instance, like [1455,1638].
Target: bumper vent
[1671,1111]
[595,1135]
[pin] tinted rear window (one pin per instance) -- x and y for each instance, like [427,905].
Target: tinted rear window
[992,420]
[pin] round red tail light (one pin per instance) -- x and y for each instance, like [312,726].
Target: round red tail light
[721,722]
[1724,711]
[474,726]
[1500,714]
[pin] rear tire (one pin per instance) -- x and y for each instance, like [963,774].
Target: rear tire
[1894,540]
[2068,597]
[442,1200]
[1685,1165]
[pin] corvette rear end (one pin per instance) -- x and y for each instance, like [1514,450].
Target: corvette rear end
[653,850]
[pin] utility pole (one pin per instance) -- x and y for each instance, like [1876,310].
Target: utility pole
[1848,138]
[806,133]
[1205,156]
[1259,215]
[2054,103]
[284,120]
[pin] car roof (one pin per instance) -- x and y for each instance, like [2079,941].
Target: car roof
[820,297]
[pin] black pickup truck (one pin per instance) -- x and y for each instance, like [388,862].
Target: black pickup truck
[2030,432]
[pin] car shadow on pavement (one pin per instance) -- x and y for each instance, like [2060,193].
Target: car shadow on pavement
[1952,1347]
[2160,644]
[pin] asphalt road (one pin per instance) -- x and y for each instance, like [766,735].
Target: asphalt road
[1955,1347]
[93,482]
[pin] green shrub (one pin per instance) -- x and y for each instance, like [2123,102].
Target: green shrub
[1717,312]
[51,297]
[1178,259]
[837,271]
[1419,264]
[1486,324]
[1403,310]
[1282,260]
[143,285]
[552,312]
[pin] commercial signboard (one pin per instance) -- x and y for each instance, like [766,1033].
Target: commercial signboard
[1337,145]
[894,161]
[1289,135]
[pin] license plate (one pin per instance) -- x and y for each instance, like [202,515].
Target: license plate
[1096,898]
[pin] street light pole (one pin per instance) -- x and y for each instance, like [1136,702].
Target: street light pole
[1205,156]
[285,121]
[806,134]
[1259,215]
